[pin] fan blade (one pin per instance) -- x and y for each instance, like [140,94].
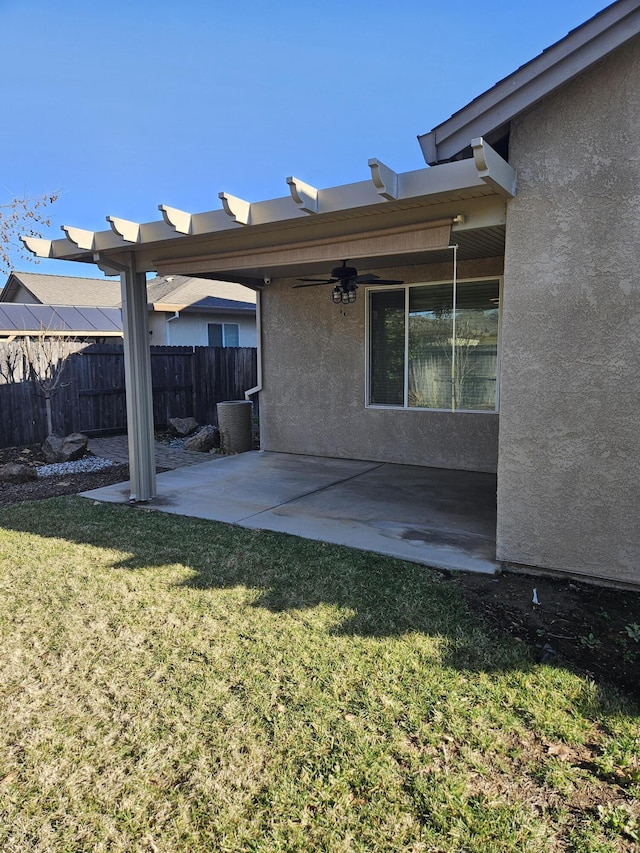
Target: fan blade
[316,283]
[370,278]
[367,278]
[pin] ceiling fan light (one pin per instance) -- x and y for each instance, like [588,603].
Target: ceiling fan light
[352,294]
[337,295]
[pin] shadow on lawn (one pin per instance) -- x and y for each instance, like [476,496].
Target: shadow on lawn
[381,596]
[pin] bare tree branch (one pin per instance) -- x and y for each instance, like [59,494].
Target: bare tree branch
[22,216]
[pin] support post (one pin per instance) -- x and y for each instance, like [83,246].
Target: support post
[137,366]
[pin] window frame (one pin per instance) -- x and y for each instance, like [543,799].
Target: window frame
[223,326]
[367,345]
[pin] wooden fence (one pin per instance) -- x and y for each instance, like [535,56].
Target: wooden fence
[187,381]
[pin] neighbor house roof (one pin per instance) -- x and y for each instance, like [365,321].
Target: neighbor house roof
[90,321]
[168,293]
[63,289]
[185,293]
[489,114]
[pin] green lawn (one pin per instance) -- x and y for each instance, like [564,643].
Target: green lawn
[170,684]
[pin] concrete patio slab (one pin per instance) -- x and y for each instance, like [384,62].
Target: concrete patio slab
[445,519]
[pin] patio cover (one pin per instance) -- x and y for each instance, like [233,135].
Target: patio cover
[391,219]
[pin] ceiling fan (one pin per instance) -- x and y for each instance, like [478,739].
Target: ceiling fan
[346,281]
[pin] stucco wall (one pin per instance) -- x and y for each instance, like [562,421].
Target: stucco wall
[569,466]
[313,400]
[158,328]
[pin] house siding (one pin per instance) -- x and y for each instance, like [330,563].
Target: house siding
[313,399]
[191,329]
[569,459]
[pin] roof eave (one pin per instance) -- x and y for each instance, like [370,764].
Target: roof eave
[560,63]
[172,308]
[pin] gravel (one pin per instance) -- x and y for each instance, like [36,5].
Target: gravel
[85,465]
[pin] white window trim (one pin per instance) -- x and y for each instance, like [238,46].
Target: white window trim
[222,324]
[367,347]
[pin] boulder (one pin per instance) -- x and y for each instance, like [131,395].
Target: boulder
[181,426]
[67,449]
[204,440]
[74,446]
[52,448]
[15,472]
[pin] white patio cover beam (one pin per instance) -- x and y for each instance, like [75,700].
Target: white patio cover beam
[304,195]
[68,249]
[92,241]
[38,246]
[492,169]
[385,180]
[129,231]
[81,237]
[236,208]
[180,220]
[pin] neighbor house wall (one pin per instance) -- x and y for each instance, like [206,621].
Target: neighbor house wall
[313,398]
[24,296]
[569,465]
[191,329]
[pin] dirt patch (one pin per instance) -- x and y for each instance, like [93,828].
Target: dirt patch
[591,629]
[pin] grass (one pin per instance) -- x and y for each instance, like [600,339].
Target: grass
[170,684]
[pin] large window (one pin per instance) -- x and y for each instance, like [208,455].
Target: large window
[224,334]
[433,348]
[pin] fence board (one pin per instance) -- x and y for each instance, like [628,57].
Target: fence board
[186,381]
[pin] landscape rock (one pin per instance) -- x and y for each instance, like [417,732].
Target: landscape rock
[52,448]
[204,440]
[16,472]
[182,426]
[67,449]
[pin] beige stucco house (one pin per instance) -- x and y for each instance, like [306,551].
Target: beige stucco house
[512,343]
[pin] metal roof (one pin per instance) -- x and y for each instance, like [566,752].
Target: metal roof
[87,321]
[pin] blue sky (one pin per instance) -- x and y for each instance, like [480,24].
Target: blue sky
[121,106]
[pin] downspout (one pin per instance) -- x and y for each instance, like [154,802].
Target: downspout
[176,316]
[454,330]
[257,388]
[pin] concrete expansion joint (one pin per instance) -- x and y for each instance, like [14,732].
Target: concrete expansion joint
[314,491]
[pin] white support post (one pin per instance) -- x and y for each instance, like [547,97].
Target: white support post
[137,365]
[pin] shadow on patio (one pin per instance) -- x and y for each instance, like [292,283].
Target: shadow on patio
[441,518]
